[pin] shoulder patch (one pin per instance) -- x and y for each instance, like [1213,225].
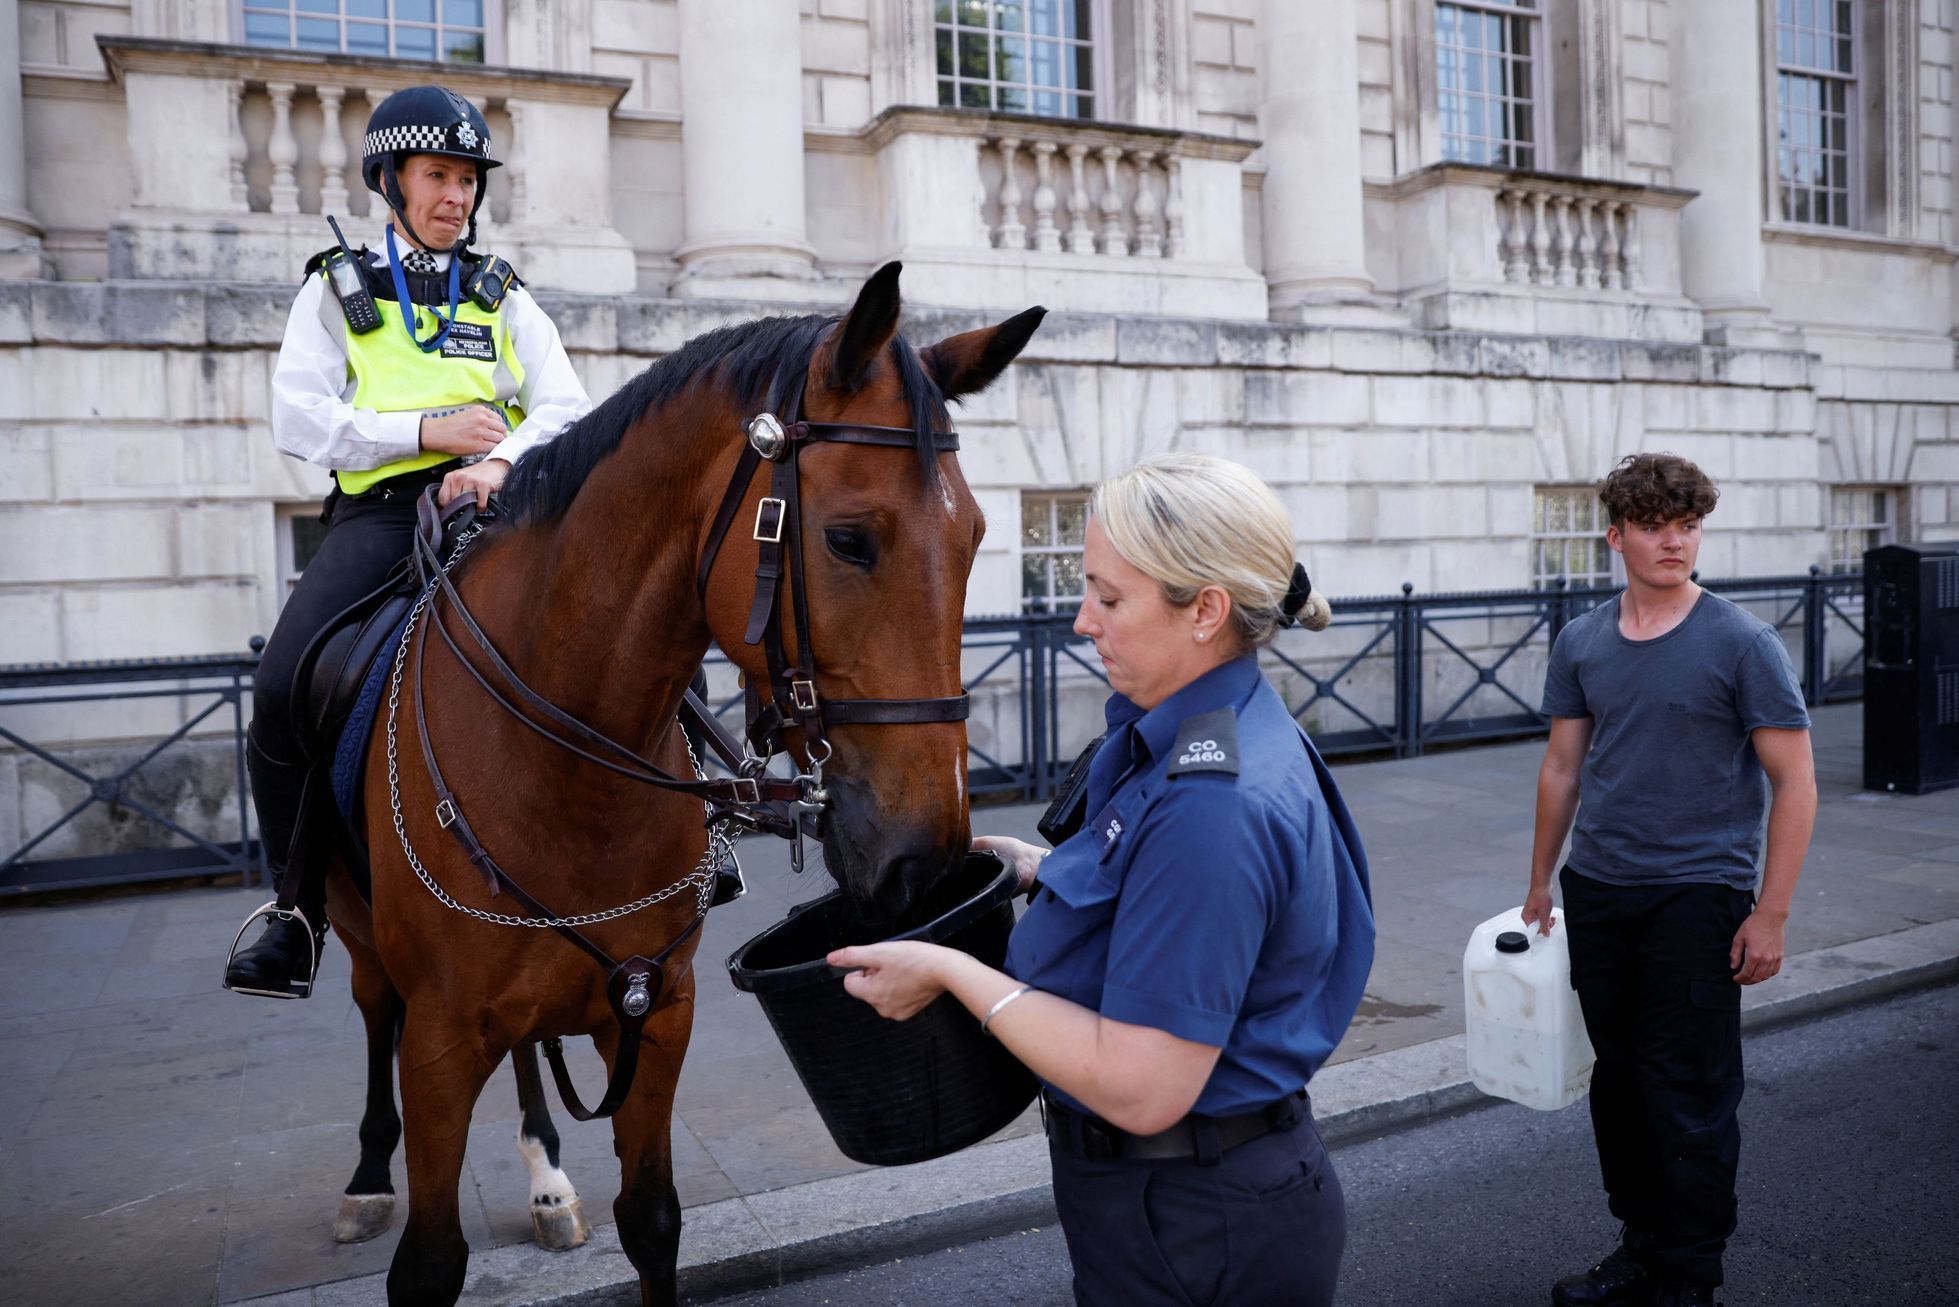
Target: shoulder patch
[314,263]
[1207,742]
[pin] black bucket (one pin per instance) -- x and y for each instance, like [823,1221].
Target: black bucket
[892,1092]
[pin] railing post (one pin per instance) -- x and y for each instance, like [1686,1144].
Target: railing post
[1557,608]
[1035,633]
[1407,675]
[1815,661]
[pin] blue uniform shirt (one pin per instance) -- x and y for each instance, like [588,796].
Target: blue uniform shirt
[1218,890]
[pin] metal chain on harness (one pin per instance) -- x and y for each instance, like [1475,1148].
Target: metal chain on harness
[720,843]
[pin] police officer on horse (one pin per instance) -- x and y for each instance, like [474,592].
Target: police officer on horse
[416,364]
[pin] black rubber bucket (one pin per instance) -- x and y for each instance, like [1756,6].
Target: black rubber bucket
[892,1092]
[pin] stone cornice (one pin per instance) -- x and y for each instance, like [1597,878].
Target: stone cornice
[125,54]
[902,120]
[1491,178]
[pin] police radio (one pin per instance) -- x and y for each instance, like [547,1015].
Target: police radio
[349,287]
[1070,806]
[490,282]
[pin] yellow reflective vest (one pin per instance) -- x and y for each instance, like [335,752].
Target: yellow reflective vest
[475,364]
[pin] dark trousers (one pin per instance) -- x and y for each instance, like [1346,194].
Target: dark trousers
[1262,1227]
[1650,964]
[367,536]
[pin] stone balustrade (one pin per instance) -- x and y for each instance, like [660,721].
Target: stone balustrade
[1487,249]
[238,153]
[1011,207]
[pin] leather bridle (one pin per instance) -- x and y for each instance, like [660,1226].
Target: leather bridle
[750,799]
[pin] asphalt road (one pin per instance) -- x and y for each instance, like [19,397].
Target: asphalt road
[1848,1195]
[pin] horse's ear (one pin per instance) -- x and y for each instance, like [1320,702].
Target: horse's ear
[866,330]
[969,362]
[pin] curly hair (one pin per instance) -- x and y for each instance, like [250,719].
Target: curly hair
[1656,488]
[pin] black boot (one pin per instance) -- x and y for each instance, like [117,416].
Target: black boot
[284,959]
[1620,1278]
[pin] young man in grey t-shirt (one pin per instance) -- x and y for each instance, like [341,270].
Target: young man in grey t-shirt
[1675,715]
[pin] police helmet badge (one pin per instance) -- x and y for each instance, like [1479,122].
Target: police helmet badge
[466,135]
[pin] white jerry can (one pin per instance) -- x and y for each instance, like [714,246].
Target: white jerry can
[1525,1032]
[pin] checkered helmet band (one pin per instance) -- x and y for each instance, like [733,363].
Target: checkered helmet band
[416,138]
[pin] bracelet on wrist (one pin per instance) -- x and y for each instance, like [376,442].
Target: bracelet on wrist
[996,1009]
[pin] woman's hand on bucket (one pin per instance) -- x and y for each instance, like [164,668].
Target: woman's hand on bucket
[898,977]
[1023,857]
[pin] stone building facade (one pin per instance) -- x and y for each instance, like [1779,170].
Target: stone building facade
[1430,266]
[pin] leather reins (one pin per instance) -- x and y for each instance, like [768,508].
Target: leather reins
[751,798]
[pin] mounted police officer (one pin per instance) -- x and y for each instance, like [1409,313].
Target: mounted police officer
[415,364]
[1196,949]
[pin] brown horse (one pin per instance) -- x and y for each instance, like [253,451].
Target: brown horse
[588,590]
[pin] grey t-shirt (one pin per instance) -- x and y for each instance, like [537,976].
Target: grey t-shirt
[1671,789]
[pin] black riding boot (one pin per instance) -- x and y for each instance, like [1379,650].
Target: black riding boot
[283,961]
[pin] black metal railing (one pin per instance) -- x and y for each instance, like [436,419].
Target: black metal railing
[103,770]
[1393,676]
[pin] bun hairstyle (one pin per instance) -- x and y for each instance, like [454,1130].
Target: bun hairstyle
[1191,520]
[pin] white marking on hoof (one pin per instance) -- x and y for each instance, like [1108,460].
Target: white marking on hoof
[362,1217]
[557,1217]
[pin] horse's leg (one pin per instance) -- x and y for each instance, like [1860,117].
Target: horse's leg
[368,1205]
[648,1208]
[443,1069]
[557,1216]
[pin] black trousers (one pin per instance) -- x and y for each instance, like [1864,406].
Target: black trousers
[1650,964]
[1263,1227]
[367,535]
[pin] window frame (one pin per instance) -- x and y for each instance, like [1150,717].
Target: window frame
[1888,531]
[493,34]
[285,517]
[1855,83]
[1101,65]
[1543,116]
[1613,574]
[1052,500]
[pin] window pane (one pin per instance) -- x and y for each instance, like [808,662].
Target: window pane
[945,93]
[974,13]
[1010,59]
[1084,106]
[1010,16]
[415,11]
[415,42]
[267,29]
[307,533]
[1084,68]
[973,55]
[463,47]
[942,11]
[945,60]
[1071,520]
[1033,579]
[367,8]
[1035,528]
[367,38]
[1068,576]
[1044,17]
[317,34]
[318,7]
[974,95]
[1013,98]
[463,13]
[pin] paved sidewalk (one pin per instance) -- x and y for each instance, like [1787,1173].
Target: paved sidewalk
[170,1143]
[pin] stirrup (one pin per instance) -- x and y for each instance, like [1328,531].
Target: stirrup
[729,884]
[301,988]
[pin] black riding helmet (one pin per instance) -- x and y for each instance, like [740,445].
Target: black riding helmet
[425,120]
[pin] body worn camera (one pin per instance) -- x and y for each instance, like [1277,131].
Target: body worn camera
[490,282]
[1064,816]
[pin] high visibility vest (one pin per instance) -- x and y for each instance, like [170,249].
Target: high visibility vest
[475,364]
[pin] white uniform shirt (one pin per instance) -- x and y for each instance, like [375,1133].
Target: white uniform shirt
[313,419]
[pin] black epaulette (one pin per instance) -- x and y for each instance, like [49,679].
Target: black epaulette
[314,264]
[1207,742]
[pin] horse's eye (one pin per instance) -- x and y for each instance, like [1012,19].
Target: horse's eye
[851,545]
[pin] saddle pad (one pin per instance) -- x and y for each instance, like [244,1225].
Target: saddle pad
[350,750]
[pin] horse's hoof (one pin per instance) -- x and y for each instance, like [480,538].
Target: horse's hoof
[362,1217]
[559,1226]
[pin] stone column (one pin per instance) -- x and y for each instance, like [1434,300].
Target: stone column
[1309,120]
[741,142]
[20,235]
[1716,51]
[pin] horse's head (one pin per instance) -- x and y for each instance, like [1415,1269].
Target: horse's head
[887,539]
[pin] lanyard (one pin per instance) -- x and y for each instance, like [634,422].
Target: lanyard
[408,310]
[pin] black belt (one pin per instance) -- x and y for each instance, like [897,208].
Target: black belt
[1201,1138]
[404,485]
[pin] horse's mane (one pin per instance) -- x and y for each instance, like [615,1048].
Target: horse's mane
[760,363]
